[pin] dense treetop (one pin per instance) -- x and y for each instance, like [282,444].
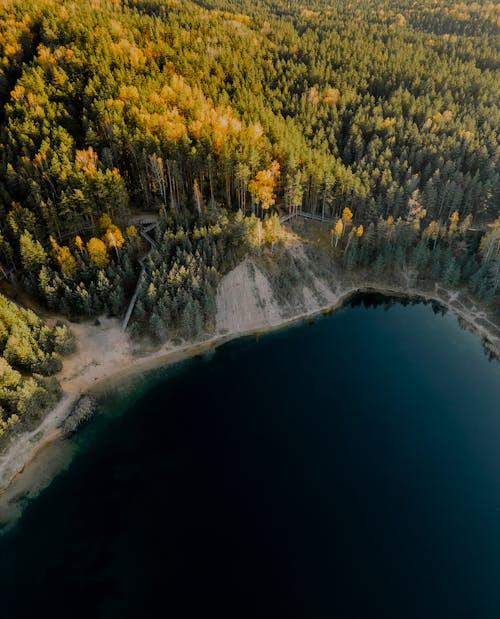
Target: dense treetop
[197,111]
[29,357]
[108,104]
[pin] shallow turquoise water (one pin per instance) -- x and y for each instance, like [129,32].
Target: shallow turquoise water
[344,468]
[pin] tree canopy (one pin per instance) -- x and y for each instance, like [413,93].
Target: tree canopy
[381,116]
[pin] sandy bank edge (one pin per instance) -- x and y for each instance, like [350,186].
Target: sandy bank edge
[27,446]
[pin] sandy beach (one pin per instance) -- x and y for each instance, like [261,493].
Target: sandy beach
[245,307]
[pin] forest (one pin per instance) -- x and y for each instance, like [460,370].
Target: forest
[30,356]
[214,118]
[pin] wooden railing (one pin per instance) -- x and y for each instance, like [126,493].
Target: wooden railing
[305,215]
[149,224]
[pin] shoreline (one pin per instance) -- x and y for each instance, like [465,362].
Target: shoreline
[19,457]
[164,358]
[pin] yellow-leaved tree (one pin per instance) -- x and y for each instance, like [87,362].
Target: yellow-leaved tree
[97,252]
[432,232]
[354,232]
[112,236]
[63,256]
[453,227]
[79,244]
[105,221]
[347,217]
[262,186]
[131,232]
[337,231]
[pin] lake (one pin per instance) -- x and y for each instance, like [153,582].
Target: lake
[347,467]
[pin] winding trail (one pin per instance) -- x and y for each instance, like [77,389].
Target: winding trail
[148,225]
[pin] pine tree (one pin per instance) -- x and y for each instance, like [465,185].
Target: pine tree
[33,255]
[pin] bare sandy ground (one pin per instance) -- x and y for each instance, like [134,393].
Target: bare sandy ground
[245,306]
[245,300]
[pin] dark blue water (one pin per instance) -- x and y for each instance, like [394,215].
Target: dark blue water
[345,468]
